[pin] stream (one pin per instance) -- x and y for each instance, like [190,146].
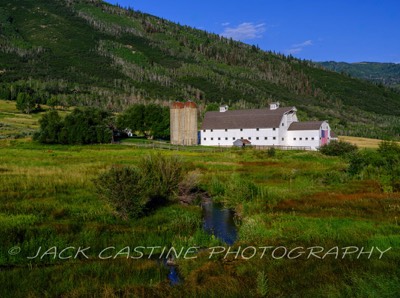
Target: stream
[217,221]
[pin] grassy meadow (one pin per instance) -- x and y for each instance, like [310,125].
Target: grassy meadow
[292,199]
[361,142]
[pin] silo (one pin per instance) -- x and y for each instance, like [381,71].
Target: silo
[190,129]
[176,113]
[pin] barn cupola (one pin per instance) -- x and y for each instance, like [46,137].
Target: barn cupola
[223,109]
[273,105]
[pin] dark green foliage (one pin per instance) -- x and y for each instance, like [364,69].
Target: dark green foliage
[149,120]
[133,118]
[212,107]
[271,152]
[390,149]
[123,187]
[131,190]
[162,175]
[382,165]
[53,102]
[50,128]
[82,126]
[25,102]
[338,148]
[381,73]
[86,126]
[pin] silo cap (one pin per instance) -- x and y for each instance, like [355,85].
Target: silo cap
[190,104]
[177,105]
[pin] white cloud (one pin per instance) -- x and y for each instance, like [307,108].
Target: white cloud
[303,44]
[225,24]
[297,48]
[294,51]
[244,31]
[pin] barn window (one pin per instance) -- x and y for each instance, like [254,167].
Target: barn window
[249,138]
[211,130]
[283,139]
[274,138]
[300,139]
[226,139]
[241,138]
[257,138]
[283,124]
[257,129]
[266,138]
[226,129]
[205,139]
[274,129]
[212,139]
[312,138]
[294,139]
[204,130]
[241,129]
[306,139]
[233,138]
[219,139]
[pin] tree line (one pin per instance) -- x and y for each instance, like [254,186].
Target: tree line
[91,125]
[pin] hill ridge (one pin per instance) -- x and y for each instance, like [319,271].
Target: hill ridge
[94,53]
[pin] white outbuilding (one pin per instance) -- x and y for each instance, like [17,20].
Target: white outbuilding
[276,126]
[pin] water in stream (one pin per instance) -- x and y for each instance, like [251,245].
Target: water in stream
[217,221]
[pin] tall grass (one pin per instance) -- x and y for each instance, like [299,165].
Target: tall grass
[292,199]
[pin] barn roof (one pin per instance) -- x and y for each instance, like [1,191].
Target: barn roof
[306,125]
[252,118]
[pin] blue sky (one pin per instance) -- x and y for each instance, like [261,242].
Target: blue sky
[320,30]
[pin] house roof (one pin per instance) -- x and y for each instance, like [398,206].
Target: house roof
[306,125]
[253,118]
[240,142]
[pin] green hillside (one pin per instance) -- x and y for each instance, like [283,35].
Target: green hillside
[93,53]
[381,73]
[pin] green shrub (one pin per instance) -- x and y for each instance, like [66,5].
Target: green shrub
[50,128]
[123,188]
[162,174]
[134,190]
[25,102]
[271,152]
[382,165]
[338,148]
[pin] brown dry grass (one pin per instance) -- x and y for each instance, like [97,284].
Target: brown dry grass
[361,142]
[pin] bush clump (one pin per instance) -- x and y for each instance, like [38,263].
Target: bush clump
[338,148]
[136,190]
[382,164]
[123,187]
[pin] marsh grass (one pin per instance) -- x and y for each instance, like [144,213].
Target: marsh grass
[291,199]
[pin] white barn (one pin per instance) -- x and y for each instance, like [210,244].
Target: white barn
[263,127]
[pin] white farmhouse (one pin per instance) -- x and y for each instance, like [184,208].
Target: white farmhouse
[263,127]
